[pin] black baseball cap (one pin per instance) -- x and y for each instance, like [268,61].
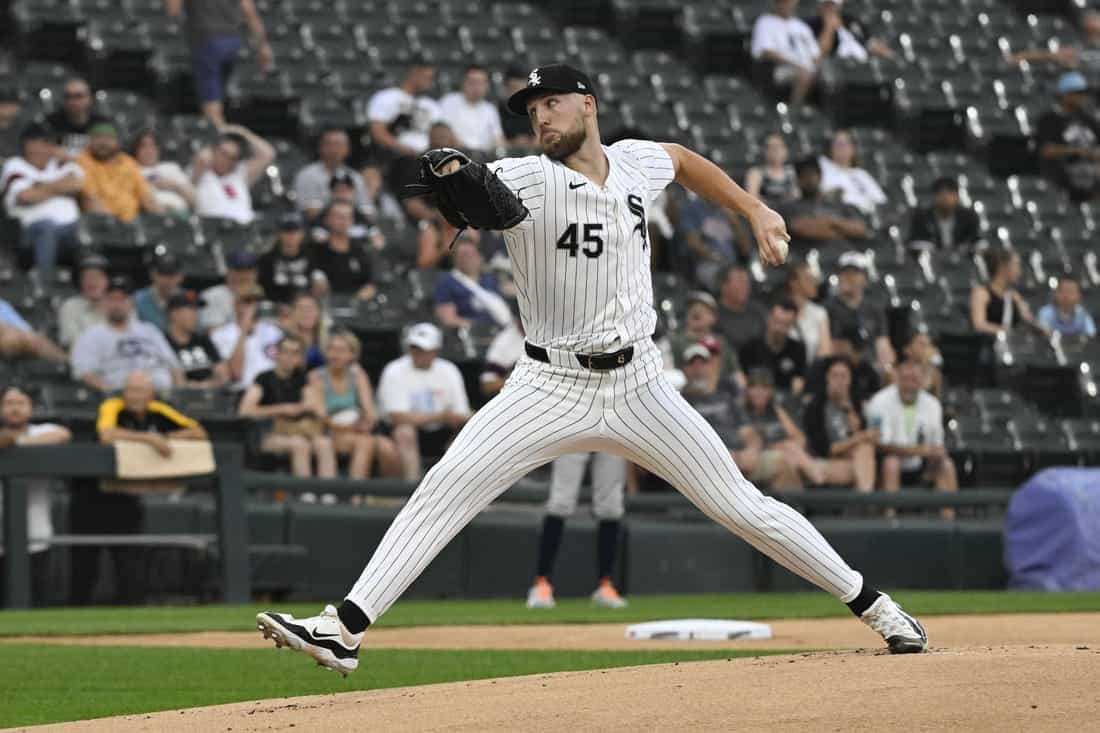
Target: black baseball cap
[241,260]
[38,131]
[547,80]
[290,221]
[185,299]
[166,264]
[341,178]
[121,283]
[94,262]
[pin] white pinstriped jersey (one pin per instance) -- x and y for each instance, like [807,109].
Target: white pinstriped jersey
[581,259]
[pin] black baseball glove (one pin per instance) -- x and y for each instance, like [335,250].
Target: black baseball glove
[471,196]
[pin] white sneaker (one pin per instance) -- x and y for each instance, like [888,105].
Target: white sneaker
[902,632]
[541,595]
[606,596]
[321,637]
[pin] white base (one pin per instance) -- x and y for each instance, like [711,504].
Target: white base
[698,629]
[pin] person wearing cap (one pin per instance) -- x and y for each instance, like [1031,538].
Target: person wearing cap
[41,191]
[287,267]
[342,263]
[113,183]
[784,462]
[106,354]
[223,177]
[818,222]
[700,320]
[313,183]
[515,128]
[776,352]
[85,309]
[202,363]
[1068,136]
[849,310]
[342,191]
[166,277]
[741,318]
[247,342]
[242,276]
[424,399]
[71,123]
[843,36]
[11,105]
[171,186]
[783,39]
[474,119]
[837,433]
[946,224]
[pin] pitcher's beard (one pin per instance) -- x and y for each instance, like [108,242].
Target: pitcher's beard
[566,144]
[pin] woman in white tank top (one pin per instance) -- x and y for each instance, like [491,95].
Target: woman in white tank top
[812,326]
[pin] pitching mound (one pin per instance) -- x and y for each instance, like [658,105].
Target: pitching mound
[1048,688]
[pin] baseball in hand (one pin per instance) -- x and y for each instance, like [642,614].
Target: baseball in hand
[781,247]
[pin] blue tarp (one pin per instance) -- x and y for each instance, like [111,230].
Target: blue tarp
[1052,531]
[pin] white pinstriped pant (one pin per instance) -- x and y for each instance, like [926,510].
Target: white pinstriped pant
[548,410]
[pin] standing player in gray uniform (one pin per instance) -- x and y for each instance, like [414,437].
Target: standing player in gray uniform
[574,219]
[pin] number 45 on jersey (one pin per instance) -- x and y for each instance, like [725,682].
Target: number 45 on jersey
[588,238]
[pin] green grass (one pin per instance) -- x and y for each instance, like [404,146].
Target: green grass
[642,608]
[44,684]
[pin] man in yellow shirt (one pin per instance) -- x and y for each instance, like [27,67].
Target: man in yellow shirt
[113,183]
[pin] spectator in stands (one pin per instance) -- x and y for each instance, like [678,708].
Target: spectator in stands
[11,105]
[997,307]
[279,394]
[817,222]
[699,328]
[342,191]
[466,295]
[713,237]
[783,39]
[812,325]
[1084,58]
[474,119]
[71,124]
[171,186]
[424,398]
[306,319]
[842,36]
[1065,314]
[16,411]
[921,350]
[150,303]
[842,176]
[851,312]
[342,263]
[837,433]
[214,36]
[247,344]
[774,182]
[18,339]
[202,363]
[740,318]
[1068,136]
[106,354]
[783,443]
[223,180]
[113,183]
[400,119]
[313,184]
[946,224]
[242,276]
[851,346]
[505,350]
[910,426]
[776,352]
[41,190]
[85,309]
[350,416]
[516,128]
[286,268]
[381,199]
[135,416]
[702,389]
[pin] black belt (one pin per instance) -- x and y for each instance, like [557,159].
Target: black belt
[595,362]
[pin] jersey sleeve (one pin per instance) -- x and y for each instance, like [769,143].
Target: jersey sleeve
[526,178]
[171,415]
[654,162]
[108,414]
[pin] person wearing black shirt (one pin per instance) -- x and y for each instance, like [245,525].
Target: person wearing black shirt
[342,264]
[1068,136]
[843,36]
[279,395]
[287,268]
[835,430]
[851,346]
[818,222]
[136,416]
[776,351]
[945,224]
[516,128]
[72,122]
[202,364]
